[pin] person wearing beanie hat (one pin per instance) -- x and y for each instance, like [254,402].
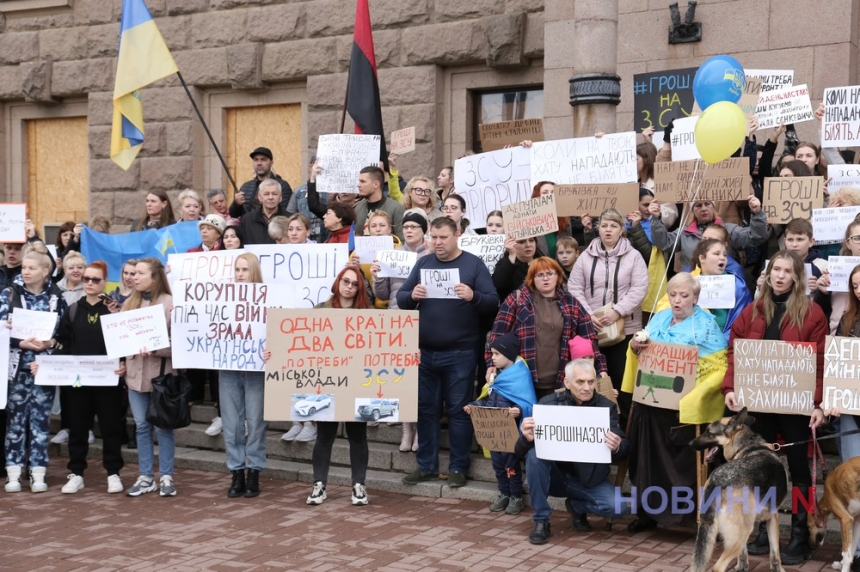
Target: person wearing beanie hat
[580,348]
[211,229]
[416,216]
[511,388]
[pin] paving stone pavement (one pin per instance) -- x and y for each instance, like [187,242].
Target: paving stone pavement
[201,529]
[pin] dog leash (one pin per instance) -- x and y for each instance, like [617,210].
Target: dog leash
[777,446]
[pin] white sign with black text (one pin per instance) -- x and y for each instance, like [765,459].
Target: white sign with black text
[573,436]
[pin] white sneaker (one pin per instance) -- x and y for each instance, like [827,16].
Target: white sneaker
[91,438]
[308,432]
[293,432]
[13,479]
[37,480]
[317,495]
[215,428]
[359,495]
[61,437]
[75,483]
[114,484]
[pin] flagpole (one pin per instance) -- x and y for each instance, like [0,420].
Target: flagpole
[345,100]
[209,134]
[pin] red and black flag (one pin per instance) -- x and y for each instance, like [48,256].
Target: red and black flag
[362,96]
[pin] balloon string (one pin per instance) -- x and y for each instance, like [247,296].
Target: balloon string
[685,218]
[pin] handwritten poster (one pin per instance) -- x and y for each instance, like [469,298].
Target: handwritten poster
[33,324]
[215,266]
[750,96]
[829,224]
[403,141]
[534,217]
[718,292]
[440,282]
[681,181]
[580,438]
[489,181]
[585,160]
[787,198]
[789,104]
[306,270]
[495,429]
[128,333]
[12,219]
[843,176]
[77,371]
[577,200]
[684,139]
[488,247]
[840,268]
[772,80]
[342,157]
[841,372]
[366,247]
[337,363]
[495,136]
[775,377]
[395,263]
[667,373]
[661,96]
[841,124]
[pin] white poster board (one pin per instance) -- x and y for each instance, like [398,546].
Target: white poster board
[12,219]
[342,157]
[574,436]
[306,270]
[367,247]
[772,79]
[395,263]
[127,333]
[585,160]
[489,181]
[33,324]
[684,139]
[828,225]
[718,292]
[440,282]
[488,247]
[840,268]
[840,126]
[785,105]
[77,371]
[843,176]
[212,266]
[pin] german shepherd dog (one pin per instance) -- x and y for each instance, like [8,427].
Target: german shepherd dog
[738,488]
[842,499]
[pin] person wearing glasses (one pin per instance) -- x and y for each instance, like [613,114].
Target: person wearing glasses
[454,207]
[545,317]
[838,301]
[418,195]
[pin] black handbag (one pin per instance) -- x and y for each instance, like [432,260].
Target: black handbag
[168,403]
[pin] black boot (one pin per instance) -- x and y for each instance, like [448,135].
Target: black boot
[237,487]
[798,549]
[760,545]
[253,488]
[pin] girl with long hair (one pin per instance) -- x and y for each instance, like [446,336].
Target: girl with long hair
[157,214]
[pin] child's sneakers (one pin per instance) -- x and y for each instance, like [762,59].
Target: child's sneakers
[501,503]
[515,506]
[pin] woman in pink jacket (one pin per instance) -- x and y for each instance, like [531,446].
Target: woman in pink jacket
[611,271]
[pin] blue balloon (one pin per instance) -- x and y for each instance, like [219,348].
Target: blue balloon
[721,78]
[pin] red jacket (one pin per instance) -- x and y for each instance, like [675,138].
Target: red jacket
[815,329]
[339,236]
[218,246]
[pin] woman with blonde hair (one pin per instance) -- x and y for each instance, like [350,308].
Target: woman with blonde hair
[419,194]
[190,206]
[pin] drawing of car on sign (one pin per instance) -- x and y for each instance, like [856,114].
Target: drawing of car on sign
[312,403]
[377,408]
[652,381]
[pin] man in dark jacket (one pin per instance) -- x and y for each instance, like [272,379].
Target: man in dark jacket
[254,227]
[246,200]
[586,485]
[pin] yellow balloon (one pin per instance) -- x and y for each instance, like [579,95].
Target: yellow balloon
[720,131]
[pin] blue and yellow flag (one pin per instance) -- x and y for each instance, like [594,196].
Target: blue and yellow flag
[143,58]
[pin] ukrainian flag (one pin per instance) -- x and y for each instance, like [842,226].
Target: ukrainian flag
[143,59]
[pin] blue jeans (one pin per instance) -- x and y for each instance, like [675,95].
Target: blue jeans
[445,377]
[241,394]
[546,479]
[139,403]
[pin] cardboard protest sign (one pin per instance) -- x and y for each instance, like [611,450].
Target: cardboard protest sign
[580,438]
[396,263]
[341,157]
[681,181]
[33,324]
[684,139]
[342,365]
[843,176]
[366,247]
[12,219]
[659,97]
[666,373]
[440,283]
[77,371]
[128,333]
[495,136]
[222,325]
[489,181]
[306,270]
[775,377]
[829,225]
[840,268]
[787,198]
[840,126]
[212,266]
[789,104]
[750,96]
[585,160]
[488,247]
[534,217]
[717,291]
[841,372]
[403,141]
[603,386]
[577,200]
[772,79]
[495,429]
[4,365]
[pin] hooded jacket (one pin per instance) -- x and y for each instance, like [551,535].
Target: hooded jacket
[593,281]
[50,299]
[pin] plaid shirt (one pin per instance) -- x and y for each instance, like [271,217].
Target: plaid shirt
[517,314]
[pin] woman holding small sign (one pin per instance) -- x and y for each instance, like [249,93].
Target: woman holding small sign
[659,435]
[783,312]
[28,409]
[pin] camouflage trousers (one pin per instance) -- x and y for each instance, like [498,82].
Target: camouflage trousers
[28,419]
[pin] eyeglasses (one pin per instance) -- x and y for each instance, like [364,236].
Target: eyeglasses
[348,282]
[422,192]
[93,279]
[411,227]
[545,276]
[451,208]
